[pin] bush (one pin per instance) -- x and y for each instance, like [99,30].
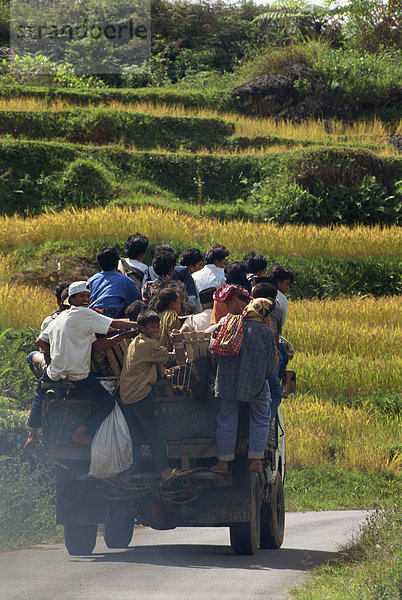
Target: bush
[354,77]
[39,70]
[84,183]
[365,203]
[331,277]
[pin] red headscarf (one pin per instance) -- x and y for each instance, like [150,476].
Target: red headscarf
[226,292]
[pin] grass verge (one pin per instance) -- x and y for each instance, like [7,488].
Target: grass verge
[368,568]
[331,487]
[27,497]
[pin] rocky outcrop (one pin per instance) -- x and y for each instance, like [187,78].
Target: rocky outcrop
[277,96]
[265,95]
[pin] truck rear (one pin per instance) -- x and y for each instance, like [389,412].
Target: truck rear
[250,504]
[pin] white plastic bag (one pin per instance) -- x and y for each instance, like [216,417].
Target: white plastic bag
[111,448]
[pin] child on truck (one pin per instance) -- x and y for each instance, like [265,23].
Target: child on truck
[168,304]
[140,372]
[67,343]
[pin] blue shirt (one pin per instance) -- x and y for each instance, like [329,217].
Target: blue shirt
[112,290]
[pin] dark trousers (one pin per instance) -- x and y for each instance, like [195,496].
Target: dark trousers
[102,403]
[283,360]
[141,418]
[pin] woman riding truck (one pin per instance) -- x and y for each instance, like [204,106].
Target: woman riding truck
[242,377]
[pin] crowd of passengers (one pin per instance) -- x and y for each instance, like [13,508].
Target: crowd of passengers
[242,304]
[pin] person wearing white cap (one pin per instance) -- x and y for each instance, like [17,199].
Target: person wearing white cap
[67,344]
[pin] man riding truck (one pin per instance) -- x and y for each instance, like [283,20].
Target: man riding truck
[67,344]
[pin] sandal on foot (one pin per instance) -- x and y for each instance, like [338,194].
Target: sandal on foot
[218,469]
[256,466]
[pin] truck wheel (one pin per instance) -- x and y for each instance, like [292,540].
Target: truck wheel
[273,516]
[80,539]
[118,533]
[245,537]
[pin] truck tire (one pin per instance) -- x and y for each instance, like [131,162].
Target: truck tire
[245,537]
[80,539]
[273,516]
[118,533]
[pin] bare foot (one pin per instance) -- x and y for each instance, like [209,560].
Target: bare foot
[31,441]
[80,436]
[256,466]
[220,467]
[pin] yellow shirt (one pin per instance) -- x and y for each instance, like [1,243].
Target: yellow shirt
[169,321]
[140,372]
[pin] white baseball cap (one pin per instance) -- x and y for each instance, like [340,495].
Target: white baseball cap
[76,287]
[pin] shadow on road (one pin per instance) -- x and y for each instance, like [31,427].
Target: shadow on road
[205,557]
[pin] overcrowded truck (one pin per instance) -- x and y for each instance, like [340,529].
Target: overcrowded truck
[250,504]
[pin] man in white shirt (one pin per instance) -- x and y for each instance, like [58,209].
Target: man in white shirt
[67,344]
[202,320]
[283,277]
[212,275]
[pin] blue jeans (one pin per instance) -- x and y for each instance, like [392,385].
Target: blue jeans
[227,422]
[276,393]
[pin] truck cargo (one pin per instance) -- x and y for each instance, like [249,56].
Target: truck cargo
[250,504]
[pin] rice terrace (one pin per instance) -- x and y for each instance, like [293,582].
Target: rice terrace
[249,129]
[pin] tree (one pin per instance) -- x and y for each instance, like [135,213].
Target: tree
[372,24]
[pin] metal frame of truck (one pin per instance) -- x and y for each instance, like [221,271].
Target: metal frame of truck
[251,505]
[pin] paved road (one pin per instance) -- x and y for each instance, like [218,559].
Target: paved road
[183,564]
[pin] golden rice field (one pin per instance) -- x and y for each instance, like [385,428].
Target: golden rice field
[320,432]
[366,132]
[239,236]
[23,305]
[349,345]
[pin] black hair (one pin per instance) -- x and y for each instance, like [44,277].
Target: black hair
[147,316]
[108,258]
[134,309]
[59,289]
[164,298]
[63,297]
[281,273]
[135,245]
[190,256]
[264,279]
[255,262]
[264,290]
[235,273]
[206,296]
[163,248]
[163,262]
[215,252]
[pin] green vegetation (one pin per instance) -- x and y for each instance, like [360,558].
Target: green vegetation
[333,488]
[27,496]
[367,568]
[245,179]
[105,126]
